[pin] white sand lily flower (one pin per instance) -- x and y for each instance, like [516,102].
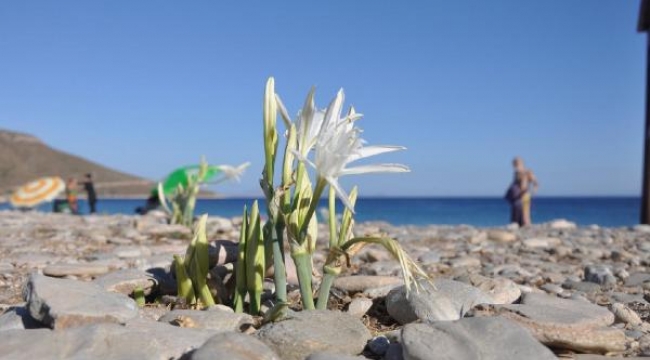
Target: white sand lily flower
[231,172]
[338,144]
[308,122]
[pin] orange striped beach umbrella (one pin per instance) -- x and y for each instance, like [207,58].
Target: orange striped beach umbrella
[37,191]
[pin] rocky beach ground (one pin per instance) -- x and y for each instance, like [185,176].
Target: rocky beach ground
[541,292]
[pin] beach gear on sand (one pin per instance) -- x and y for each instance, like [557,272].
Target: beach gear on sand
[181,175]
[37,192]
[214,174]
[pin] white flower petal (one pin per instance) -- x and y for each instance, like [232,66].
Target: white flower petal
[303,158]
[333,112]
[283,111]
[368,151]
[340,193]
[378,168]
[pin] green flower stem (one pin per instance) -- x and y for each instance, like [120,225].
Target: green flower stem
[332,218]
[330,273]
[318,191]
[188,215]
[183,282]
[240,269]
[302,259]
[279,272]
[254,260]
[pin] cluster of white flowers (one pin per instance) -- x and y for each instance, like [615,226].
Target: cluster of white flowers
[336,143]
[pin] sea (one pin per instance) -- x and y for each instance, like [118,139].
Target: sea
[475,211]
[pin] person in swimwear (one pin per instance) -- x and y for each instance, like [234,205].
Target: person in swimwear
[514,195]
[528,183]
[71,191]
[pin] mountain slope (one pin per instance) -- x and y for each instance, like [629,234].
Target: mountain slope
[24,158]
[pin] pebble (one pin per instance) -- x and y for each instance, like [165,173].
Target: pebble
[472,338]
[360,283]
[308,332]
[63,303]
[443,301]
[217,320]
[234,346]
[359,307]
[80,269]
[126,281]
[379,345]
[501,236]
[564,324]
[542,243]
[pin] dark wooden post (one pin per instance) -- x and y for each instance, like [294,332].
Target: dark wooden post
[644,26]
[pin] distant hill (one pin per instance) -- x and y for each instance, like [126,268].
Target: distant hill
[24,158]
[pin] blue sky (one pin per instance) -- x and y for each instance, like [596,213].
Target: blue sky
[146,86]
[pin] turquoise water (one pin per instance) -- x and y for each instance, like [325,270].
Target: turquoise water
[604,211]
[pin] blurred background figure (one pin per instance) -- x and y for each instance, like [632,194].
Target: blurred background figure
[528,183]
[89,187]
[71,190]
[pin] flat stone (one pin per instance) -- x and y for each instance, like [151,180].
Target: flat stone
[542,242]
[126,281]
[584,286]
[564,324]
[564,311]
[360,283]
[35,261]
[217,320]
[86,342]
[78,269]
[130,252]
[465,261]
[63,303]
[378,292]
[173,341]
[492,338]
[307,332]
[562,224]
[501,236]
[502,290]
[637,279]
[234,346]
[447,300]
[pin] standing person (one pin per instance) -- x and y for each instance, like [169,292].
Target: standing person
[90,192]
[71,195]
[514,195]
[529,183]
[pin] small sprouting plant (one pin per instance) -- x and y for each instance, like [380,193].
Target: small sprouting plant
[183,197]
[192,269]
